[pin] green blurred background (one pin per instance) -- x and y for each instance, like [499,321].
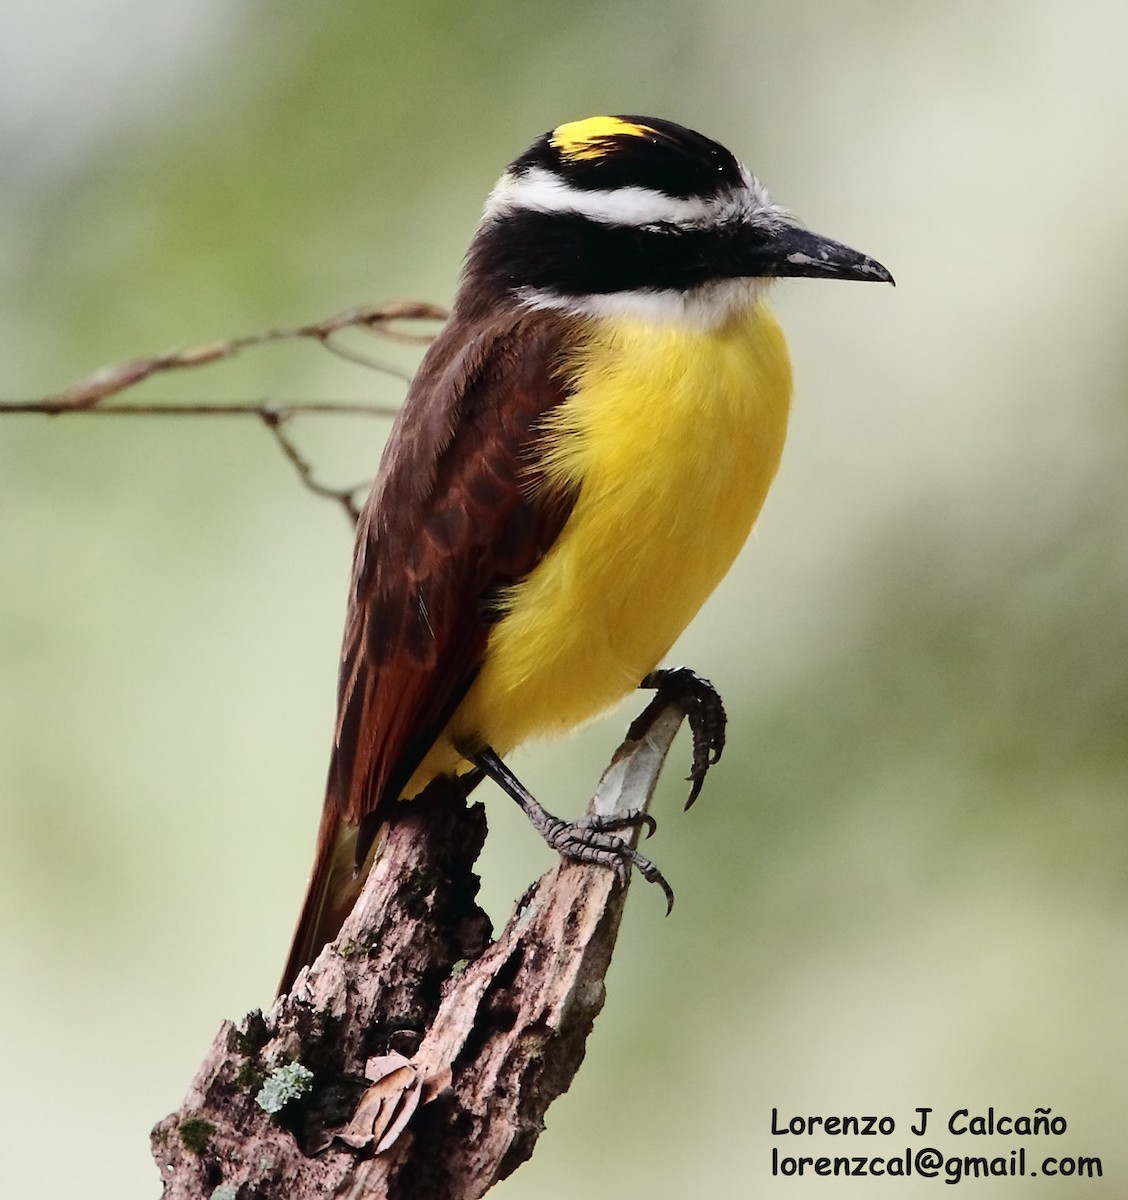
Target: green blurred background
[905,885]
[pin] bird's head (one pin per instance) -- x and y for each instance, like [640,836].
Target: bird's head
[637,214]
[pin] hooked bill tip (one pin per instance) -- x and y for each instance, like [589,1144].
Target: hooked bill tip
[865,269]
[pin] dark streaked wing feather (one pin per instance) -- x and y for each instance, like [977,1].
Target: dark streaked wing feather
[454,516]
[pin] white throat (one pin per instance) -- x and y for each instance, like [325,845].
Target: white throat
[700,309]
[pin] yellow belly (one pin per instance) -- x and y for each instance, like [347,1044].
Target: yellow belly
[672,436]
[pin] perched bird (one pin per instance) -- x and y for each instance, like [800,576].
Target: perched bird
[580,457]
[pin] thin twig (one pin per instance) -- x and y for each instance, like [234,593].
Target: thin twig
[202,408]
[87,395]
[274,421]
[111,380]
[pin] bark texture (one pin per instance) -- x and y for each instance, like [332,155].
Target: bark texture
[416,1057]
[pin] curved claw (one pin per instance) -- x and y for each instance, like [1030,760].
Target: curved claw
[634,819]
[585,842]
[651,874]
[704,710]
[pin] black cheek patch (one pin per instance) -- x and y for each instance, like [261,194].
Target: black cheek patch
[570,255]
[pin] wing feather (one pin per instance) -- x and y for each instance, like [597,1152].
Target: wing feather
[457,513]
[451,520]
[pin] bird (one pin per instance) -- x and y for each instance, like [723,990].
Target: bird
[579,458]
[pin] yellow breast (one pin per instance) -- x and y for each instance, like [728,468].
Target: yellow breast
[672,437]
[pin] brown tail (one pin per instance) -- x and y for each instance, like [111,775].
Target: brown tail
[333,888]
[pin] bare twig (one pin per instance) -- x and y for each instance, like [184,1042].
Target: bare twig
[112,380]
[205,408]
[274,421]
[88,395]
[410,1061]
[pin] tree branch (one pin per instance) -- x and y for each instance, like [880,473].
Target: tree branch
[89,394]
[465,1042]
[346,497]
[110,381]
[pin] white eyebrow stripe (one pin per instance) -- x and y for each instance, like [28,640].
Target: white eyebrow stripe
[539,190]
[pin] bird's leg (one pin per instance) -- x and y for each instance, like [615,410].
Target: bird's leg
[592,839]
[703,709]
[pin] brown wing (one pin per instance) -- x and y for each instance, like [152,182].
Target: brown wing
[454,516]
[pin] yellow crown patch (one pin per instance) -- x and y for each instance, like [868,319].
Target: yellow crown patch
[588,138]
